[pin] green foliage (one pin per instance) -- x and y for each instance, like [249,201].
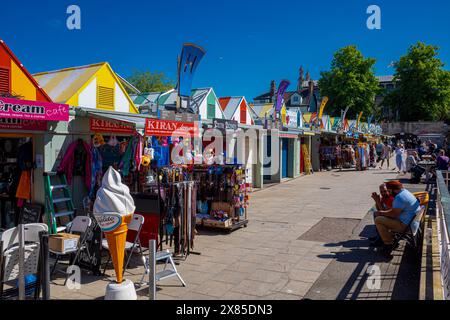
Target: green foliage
[350,82]
[146,81]
[423,87]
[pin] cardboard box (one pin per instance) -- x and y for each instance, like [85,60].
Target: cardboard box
[63,242]
[224,206]
[217,223]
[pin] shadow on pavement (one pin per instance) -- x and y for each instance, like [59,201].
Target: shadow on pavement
[350,275]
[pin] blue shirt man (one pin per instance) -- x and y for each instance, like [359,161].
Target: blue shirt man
[409,205]
[404,208]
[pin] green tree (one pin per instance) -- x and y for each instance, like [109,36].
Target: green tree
[422,86]
[350,82]
[146,81]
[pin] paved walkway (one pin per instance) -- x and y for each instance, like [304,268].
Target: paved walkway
[266,260]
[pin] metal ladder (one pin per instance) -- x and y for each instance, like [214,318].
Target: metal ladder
[53,204]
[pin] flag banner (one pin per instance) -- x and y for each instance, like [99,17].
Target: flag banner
[345,114]
[369,120]
[191,55]
[322,107]
[280,95]
[359,119]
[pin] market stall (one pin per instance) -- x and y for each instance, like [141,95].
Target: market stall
[222,196]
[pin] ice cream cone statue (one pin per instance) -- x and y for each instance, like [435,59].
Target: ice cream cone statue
[113,210]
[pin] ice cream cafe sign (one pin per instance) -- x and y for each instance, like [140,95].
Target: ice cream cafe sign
[167,128]
[33,110]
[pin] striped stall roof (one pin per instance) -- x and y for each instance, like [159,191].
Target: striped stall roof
[263,109]
[63,84]
[145,98]
[229,105]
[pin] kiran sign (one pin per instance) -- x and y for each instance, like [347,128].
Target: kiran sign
[33,110]
[168,128]
[102,125]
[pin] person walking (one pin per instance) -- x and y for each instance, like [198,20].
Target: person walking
[400,158]
[385,155]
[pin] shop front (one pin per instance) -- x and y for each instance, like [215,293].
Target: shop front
[23,126]
[225,177]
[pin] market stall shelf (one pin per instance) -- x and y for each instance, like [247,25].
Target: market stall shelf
[223,198]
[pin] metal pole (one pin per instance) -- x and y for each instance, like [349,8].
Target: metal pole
[21,263]
[152,270]
[45,268]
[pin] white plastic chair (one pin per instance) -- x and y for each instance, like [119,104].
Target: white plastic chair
[80,225]
[135,225]
[9,268]
[10,237]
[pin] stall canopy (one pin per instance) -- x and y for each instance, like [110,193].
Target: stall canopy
[114,122]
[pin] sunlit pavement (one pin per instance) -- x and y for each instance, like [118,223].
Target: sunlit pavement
[266,260]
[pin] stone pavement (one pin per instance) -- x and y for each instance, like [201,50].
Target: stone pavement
[265,260]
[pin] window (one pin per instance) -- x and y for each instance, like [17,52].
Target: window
[105,98]
[243,113]
[211,111]
[4,81]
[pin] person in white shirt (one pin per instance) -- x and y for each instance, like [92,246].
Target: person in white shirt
[400,158]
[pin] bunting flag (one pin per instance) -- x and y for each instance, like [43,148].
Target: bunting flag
[284,84]
[343,115]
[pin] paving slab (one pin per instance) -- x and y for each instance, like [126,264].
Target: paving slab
[266,259]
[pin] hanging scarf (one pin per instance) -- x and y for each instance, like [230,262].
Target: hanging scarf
[97,165]
[127,157]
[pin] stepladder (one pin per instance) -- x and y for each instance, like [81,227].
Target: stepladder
[58,202]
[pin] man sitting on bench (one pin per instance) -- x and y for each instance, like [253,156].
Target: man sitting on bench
[383,201]
[404,209]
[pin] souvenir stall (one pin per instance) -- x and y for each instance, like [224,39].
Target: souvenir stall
[330,151]
[222,196]
[222,191]
[171,181]
[163,192]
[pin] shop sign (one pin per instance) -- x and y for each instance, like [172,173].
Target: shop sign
[33,110]
[291,119]
[103,125]
[182,117]
[223,124]
[21,124]
[168,128]
[289,135]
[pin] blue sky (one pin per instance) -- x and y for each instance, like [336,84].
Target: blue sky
[248,42]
